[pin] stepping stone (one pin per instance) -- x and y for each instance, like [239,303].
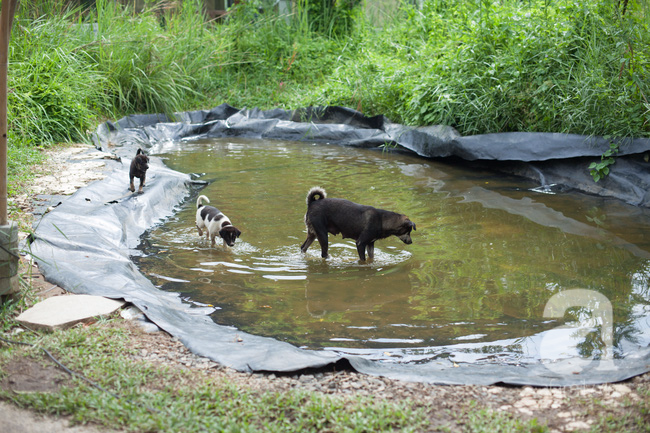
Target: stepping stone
[60,312]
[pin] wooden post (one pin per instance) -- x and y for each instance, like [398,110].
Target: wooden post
[6,20]
[9,278]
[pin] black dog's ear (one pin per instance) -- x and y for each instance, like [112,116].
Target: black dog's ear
[238,232]
[412,225]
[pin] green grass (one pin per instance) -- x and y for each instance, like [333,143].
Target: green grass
[478,420]
[512,66]
[20,162]
[160,399]
[633,419]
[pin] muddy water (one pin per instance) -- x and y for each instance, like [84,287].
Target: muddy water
[487,255]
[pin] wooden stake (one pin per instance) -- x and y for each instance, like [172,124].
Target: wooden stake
[6,20]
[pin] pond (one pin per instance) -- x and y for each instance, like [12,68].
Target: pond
[488,254]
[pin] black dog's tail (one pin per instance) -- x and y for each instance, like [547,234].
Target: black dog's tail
[316,191]
[139,152]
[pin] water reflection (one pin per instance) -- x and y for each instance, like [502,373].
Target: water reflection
[488,255]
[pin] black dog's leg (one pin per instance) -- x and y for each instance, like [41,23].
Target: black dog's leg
[131,186]
[322,240]
[142,179]
[366,240]
[310,240]
[361,249]
[371,250]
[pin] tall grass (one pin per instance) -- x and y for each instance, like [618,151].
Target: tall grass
[507,66]
[53,87]
[273,60]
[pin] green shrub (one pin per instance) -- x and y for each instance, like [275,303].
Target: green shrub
[508,66]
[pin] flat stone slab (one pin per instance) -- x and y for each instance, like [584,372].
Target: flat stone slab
[60,312]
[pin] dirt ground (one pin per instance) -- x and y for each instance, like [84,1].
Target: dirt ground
[565,409]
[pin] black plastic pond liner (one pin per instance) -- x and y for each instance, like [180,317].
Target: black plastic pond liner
[85,244]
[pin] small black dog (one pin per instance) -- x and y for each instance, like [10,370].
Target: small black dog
[139,167]
[364,224]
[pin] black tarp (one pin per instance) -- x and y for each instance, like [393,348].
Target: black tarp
[85,245]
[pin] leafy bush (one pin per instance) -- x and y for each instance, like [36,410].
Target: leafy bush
[512,66]
[600,170]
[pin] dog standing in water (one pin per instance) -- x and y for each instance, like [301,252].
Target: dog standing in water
[364,224]
[214,222]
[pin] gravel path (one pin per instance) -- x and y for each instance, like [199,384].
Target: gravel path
[561,409]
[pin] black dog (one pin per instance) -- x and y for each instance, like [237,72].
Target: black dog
[364,224]
[139,167]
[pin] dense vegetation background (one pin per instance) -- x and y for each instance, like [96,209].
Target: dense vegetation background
[478,65]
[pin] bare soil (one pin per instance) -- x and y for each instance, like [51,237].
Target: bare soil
[564,409]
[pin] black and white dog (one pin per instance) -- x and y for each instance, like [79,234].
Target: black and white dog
[139,167]
[364,224]
[214,222]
